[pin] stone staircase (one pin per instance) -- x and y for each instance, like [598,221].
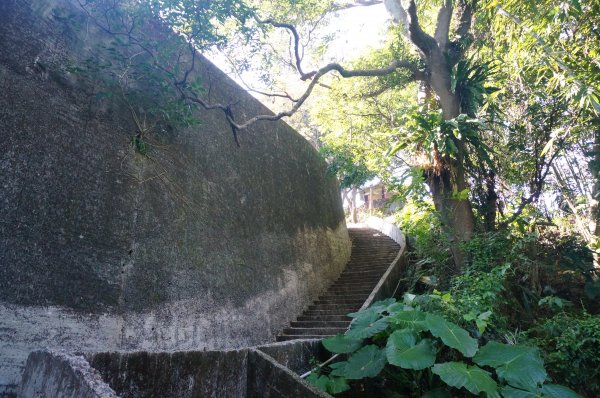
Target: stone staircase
[372,254]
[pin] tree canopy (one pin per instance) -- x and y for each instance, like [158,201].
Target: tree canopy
[487,100]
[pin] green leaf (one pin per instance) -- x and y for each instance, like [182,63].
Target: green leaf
[403,350]
[341,344]
[451,334]
[520,366]
[557,391]
[473,378]
[366,362]
[318,381]
[367,324]
[382,306]
[338,368]
[337,385]
[511,392]
[414,320]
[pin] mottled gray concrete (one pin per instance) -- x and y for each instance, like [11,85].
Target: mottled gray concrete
[174,375]
[197,244]
[61,375]
[187,374]
[297,355]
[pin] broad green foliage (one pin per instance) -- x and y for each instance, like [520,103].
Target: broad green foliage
[519,366]
[472,378]
[366,362]
[414,343]
[452,335]
[350,171]
[367,324]
[333,385]
[420,222]
[342,344]
[570,346]
[403,350]
[412,320]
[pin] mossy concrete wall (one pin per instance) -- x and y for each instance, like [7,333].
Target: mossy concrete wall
[198,244]
[245,373]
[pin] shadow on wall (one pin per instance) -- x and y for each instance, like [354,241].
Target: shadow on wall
[190,243]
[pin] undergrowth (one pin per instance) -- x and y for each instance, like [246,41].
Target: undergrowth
[521,291]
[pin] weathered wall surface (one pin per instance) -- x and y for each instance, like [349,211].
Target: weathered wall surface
[55,374]
[177,374]
[241,373]
[197,244]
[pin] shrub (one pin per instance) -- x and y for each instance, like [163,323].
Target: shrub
[571,347]
[415,352]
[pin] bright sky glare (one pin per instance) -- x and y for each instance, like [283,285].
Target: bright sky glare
[356,29]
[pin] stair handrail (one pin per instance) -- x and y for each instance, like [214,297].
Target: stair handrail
[393,232]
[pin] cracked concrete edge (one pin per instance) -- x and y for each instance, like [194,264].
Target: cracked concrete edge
[60,374]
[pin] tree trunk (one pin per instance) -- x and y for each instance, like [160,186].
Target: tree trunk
[447,178]
[456,214]
[595,203]
[490,203]
[353,217]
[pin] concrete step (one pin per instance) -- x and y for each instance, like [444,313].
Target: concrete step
[346,295]
[372,254]
[339,301]
[325,317]
[314,331]
[283,337]
[334,306]
[321,324]
[322,313]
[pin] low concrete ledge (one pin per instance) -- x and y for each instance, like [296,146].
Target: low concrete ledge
[265,372]
[296,355]
[388,229]
[55,374]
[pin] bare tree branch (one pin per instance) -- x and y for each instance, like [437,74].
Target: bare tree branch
[314,81]
[422,40]
[296,37]
[398,12]
[465,9]
[538,187]
[461,43]
[443,24]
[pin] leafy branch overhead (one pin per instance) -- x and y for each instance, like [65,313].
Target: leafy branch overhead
[484,103]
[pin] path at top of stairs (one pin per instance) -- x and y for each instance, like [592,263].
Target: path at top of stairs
[372,254]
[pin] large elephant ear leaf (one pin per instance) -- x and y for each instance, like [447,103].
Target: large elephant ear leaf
[520,366]
[318,381]
[382,306]
[366,362]
[367,324]
[556,391]
[472,378]
[337,385]
[511,392]
[414,320]
[341,344]
[452,335]
[403,350]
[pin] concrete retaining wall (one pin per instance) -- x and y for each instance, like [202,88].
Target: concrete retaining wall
[195,374]
[196,244]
